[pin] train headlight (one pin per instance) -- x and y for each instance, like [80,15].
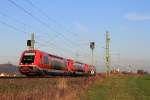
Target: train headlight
[92,72]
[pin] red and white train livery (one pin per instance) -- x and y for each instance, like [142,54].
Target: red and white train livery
[36,62]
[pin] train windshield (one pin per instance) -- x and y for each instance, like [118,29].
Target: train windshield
[28,58]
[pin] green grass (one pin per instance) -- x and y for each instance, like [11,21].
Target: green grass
[120,88]
[144,84]
[97,91]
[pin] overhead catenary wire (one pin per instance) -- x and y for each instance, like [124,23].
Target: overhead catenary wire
[60,50]
[42,44]
[68,40]
[40,21]
[74,34]
[55,47]
[15,28]
[19,30]
[22,23]
[30,14]
[50,18]
[56,22]
[44,24]
[12,27]
[65,50]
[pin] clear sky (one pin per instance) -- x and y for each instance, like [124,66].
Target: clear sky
[65,28]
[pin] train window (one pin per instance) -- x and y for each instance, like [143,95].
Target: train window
[28,59]
[46,61]
[65,62]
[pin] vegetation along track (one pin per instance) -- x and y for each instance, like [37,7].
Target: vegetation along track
[120,88]
[130,87]
[51,88]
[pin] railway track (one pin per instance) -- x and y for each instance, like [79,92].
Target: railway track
[24,77]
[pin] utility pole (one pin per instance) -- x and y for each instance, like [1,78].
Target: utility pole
[92,46]
[107,55]
[30,43]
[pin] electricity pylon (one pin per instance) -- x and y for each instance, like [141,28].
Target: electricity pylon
[107,55]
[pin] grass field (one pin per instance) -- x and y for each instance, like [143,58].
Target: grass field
[42,88]
[112,88]
[120,88]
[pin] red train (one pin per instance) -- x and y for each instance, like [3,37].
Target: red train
[36,62]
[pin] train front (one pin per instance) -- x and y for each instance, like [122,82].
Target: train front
[27,64]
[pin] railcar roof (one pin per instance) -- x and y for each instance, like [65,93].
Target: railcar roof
[44,53]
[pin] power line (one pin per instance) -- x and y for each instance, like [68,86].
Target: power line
[54,46]
[40,21]
[61,50]
[50,18]
[30,14]
[39,37]
[69,41]
[42,44]
[16,29]
[53,20]
[19,22]
[11,26]
[34,17]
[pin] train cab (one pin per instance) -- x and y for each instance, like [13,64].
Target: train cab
[27,64]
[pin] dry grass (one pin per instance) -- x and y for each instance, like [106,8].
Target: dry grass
[43,88]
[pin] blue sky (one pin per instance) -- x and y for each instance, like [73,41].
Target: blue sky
[69,25]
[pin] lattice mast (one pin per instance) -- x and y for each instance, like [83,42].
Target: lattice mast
[107,54]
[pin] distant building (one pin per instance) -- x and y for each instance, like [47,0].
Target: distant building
[142,72]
